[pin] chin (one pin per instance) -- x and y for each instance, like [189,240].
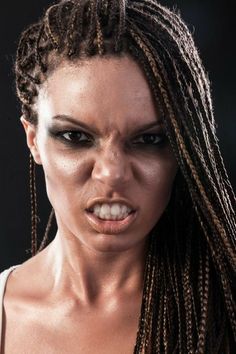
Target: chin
[112,243]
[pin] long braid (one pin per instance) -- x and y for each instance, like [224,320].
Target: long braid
[192,248]
[187,297]
[33,202]
[48,227]
[204,312]
[172,277]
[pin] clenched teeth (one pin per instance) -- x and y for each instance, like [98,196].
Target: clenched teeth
[114,211]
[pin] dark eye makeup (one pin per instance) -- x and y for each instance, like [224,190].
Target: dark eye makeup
[155,139]
[78,138]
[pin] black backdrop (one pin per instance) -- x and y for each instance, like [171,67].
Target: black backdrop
[213,25]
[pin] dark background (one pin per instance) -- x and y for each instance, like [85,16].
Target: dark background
[214,27]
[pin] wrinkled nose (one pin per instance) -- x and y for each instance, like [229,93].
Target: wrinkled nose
[112,167]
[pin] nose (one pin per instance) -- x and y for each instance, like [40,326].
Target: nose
[112,167]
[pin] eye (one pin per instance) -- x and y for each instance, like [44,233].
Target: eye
[150,139]
[75,137]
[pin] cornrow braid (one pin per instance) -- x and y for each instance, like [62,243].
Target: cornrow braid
[191,259]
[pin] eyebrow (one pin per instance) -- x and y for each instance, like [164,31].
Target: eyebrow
[66,118]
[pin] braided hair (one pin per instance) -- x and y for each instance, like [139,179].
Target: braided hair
[188,301]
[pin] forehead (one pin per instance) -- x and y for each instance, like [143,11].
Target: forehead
[107,87]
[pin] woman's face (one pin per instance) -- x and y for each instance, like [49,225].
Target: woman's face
[108,166]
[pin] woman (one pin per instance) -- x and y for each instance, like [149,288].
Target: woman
[116,107]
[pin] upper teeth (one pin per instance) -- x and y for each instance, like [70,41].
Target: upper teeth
[113,211]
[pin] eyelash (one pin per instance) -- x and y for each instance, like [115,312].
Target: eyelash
[161,138]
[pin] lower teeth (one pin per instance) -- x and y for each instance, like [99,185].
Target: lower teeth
[112,217]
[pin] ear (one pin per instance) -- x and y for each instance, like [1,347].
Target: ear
[30,131]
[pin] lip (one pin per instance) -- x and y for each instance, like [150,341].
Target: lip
[110,227]
[109,201]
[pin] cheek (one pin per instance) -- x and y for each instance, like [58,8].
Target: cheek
[63,173]
[159,178]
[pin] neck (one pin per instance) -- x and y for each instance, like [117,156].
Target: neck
[92,275]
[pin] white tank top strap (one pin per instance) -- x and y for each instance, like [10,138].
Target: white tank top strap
[3,280]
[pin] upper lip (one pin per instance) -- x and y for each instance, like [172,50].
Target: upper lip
[95,201]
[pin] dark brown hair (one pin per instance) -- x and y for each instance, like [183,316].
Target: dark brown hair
[188,301]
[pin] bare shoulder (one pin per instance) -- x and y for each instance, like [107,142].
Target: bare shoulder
[26,281]
[25,288]
[22,304]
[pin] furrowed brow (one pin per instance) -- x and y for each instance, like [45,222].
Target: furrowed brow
[66,118]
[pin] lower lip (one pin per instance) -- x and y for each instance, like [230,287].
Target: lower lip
[110,227]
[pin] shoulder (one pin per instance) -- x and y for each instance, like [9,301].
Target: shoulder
[25,287]
[8,270]
[5,274]
[22,279]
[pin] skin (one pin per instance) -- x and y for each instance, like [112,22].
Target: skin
[90,281]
